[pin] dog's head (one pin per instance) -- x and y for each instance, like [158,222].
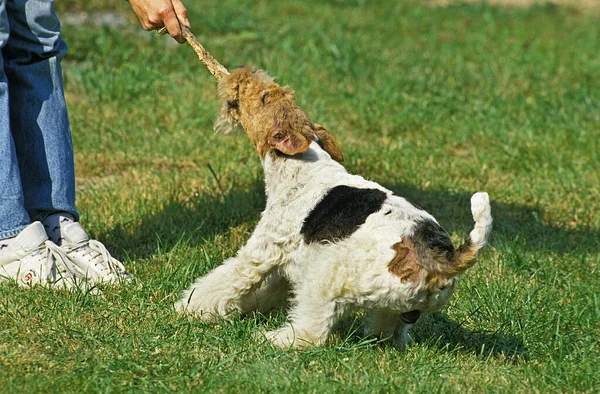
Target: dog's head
[269,114]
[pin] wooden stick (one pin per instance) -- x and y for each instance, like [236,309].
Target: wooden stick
[215,68]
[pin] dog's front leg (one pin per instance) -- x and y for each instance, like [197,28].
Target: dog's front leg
[222,291]
[311,320]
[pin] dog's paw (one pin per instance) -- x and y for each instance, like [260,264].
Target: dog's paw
[286,338]
[200,311]
[183,308]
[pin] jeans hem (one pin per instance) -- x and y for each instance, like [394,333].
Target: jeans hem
[12,233]
[40,216]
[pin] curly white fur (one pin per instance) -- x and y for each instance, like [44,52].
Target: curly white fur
[325,279]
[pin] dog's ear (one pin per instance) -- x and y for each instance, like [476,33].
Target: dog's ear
[328,142]
[288,142]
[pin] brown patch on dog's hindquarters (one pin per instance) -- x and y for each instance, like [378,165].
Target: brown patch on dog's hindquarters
[404,264]
[412,258]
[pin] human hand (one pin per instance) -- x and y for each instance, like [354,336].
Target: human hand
[154,14]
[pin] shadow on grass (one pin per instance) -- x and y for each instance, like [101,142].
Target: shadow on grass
[438,329]
[195,221]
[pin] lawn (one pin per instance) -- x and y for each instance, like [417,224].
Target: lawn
[433,102]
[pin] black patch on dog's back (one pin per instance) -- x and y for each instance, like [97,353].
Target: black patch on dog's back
[339,214]
[433,236]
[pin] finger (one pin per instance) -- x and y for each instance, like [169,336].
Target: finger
[181,12]
[172,24]
[144,18]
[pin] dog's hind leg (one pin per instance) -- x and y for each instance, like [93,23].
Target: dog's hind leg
[407,319]
[401,338]
[382,323]
[392,325]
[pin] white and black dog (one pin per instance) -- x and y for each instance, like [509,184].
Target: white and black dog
[334,240]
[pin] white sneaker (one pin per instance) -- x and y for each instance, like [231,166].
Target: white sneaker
[91,257]
[32,259]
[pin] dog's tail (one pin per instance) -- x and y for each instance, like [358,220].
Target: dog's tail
[466,255]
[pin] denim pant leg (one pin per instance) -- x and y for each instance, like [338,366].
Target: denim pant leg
[13,216]
[38,114]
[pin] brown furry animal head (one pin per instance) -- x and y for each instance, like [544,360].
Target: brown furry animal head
[269,113]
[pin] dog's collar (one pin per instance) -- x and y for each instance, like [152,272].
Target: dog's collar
[410,317]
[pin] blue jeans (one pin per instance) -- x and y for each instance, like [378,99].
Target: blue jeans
[37,174]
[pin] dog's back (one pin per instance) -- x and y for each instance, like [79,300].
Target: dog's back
[356,235]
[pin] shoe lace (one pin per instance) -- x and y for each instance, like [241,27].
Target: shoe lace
[48,257]
[99,256]
[54,252]
[66,276]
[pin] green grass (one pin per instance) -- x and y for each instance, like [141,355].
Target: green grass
[434,103]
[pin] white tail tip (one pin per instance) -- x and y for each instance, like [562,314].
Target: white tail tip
[482,214]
